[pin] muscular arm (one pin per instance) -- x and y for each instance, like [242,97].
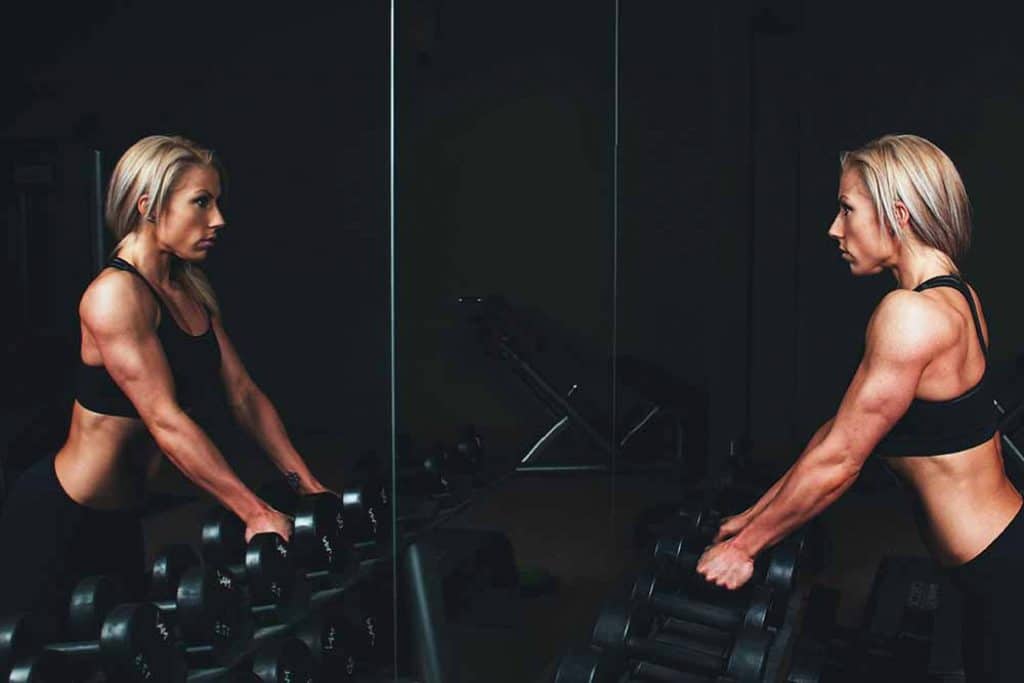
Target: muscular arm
[118,314]
[257,416]
[771,493]
[903,336]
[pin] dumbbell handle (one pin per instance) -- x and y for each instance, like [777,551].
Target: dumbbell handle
[712,615]
[89,647]
[676,655]
[700,633]
[646,671]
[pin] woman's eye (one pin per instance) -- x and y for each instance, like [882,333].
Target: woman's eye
[203,202]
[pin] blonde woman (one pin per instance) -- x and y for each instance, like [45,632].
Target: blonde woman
[919,399]
[153,352]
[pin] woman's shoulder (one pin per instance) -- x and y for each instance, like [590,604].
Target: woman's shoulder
[116,297]
[908,321]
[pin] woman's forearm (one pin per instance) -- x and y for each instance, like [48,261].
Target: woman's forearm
[191,451]
[818,478]
[258,417]
[771,493]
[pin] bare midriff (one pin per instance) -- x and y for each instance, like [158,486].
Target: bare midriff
[107,460]
[965,499]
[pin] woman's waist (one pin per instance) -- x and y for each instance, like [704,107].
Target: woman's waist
[103,472]
[963,525]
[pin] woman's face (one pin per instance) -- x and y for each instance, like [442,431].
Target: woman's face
[863,243]
[191,219]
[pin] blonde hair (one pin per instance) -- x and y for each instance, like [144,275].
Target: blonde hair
[912,170]
[153,167]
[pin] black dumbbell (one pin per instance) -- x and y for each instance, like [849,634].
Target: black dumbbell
[429,474]
[264,566]
[212,615]
[777,568]
[169,565]
[759,608]
[45,667]
[208,608]
[133,645]
[468,454]
[278,660]
[340,648]
[617,630]
[588,666]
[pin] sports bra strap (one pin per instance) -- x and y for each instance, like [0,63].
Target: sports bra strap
[121,264]
[957,283]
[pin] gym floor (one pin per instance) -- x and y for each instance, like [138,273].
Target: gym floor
[578,529]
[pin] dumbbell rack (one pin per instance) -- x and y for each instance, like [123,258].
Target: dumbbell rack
[321,600]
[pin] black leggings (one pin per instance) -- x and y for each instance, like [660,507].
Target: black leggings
[51,542]
[993,589]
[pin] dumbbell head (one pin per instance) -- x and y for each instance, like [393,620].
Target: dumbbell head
[320,540]
[284,661]
[44,667]
[782,565]
[587,666]
[19,637]
[223,537]
[338,647]
[366,514]
[672,555]
[749,655]
[269,569]
[211,609]
[617,623]
[169,566]
[92,599]
[137,645]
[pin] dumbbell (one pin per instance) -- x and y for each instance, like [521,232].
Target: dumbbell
[618,625]
[133,645]
[429,473]
[211,614]
[467,457]
[755,615]
[264,566]
[279,660]
[321,541]
[340,648]
[588,666]
[777,568]
[208,608]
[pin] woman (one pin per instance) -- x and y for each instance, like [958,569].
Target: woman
[153,352]
[919,398]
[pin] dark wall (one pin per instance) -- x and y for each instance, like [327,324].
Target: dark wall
[733,120]
[504,187]
[295,103]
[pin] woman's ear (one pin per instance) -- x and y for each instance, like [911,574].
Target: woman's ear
[142,206]
[902,215]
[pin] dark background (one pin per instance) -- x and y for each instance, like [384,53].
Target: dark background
[295,104]
[708,259]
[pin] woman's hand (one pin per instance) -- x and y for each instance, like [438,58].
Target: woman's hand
[272,521]
[725,565]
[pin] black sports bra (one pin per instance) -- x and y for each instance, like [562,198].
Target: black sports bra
[194,361]
[940,427]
